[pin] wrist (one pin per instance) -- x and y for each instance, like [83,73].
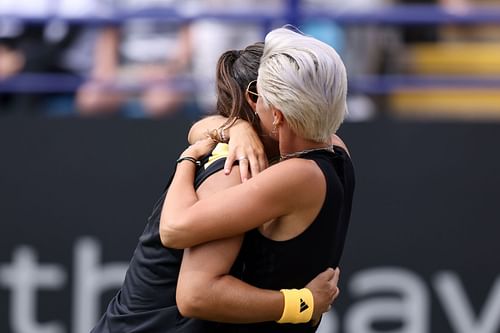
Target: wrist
[298,306]
[191,152]
[220,134]
[189,159]
[238,126]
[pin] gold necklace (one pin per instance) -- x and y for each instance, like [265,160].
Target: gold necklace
[305,151]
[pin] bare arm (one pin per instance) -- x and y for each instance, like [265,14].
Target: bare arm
[243,142]
[202,127]
[106,54]
[187,221]
[206,291]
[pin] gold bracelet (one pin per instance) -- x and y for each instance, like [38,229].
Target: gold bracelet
[222,136]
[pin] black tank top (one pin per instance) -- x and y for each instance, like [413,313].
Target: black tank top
[146,300]
[293,263]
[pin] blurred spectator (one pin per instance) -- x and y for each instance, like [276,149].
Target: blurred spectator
[450,32]
[134,63]
[211,37]
[366,49]
[28,47]
[11,60]
[478,32]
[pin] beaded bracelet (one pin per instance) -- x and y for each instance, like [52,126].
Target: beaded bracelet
[222,135]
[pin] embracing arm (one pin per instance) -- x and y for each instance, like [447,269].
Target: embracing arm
[206,291]
[187,221]
[202,127]
[243,142]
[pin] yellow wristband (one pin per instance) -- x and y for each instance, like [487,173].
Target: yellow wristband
[299,306]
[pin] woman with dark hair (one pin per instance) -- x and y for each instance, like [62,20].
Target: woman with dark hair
[295,213]
[146,302]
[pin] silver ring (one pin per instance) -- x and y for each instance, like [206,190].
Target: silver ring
[242,158]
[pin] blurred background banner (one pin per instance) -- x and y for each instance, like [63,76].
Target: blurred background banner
[421,255]
[422,59]
[96,97]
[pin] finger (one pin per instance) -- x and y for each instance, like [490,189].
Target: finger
[243,161]
[328,274]
[229,163]
[336,276]
[334,296]
[262,161]
[333,284]
[230,159]
[263,164]
[254,165]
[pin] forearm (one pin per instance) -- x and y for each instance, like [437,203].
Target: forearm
[205,289]
[200,129]
[181,195]
[232,301]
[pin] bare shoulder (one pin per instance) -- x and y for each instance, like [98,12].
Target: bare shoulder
[337,141]
[299,182]
[298,172]
[219,181]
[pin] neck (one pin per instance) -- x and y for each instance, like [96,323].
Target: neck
[271,147]
[294,144]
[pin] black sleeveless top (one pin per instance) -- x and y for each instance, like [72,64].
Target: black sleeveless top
[293,263]
[145,302]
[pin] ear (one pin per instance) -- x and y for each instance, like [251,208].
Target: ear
[252,104]
[278,117]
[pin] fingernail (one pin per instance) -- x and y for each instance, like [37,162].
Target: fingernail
[226,171]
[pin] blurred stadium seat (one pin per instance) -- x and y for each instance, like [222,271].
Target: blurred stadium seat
[455,76]
[460,61]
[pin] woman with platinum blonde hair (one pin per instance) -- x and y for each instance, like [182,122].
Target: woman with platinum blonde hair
[153,295]
[294,214]
[306,80]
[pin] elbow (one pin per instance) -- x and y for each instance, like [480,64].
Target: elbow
[191,135]
[170,237]
[171,234]
[178,233]
[193,131]
[191,303]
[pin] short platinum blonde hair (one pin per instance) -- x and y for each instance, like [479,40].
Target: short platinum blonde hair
[306,80]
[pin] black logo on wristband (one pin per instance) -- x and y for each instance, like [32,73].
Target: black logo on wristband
[303,305]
